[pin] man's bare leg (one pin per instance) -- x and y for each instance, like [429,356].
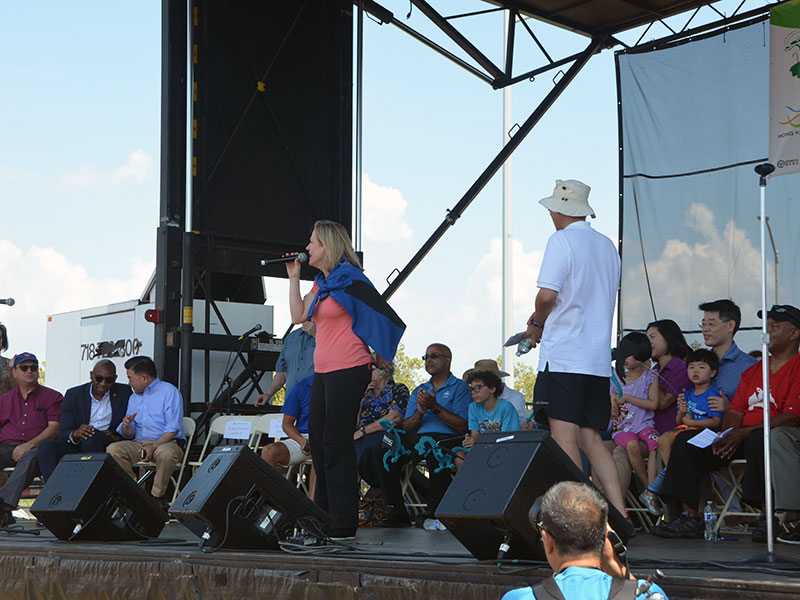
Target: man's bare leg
[566,436]
[603,466]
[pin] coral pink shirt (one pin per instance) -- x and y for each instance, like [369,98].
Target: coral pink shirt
[337,346]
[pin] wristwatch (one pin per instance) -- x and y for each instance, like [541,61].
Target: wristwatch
[437,409]
[362,430]
[537,325]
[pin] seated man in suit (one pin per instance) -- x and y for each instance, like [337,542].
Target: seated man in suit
[152,429]
[90,416]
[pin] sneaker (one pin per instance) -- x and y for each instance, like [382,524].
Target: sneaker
[760,530]
[792,536]
[682,527]
[397,517]
[651,503]
[345,533]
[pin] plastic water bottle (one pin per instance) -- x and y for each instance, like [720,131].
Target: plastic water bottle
[710,520]
[524,346]
[434,525]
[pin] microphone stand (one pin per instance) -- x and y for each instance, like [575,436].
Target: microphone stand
[770,557]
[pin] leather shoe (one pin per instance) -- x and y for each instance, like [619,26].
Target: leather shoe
[397,517]
[760,530]
[6,518]
[348,533]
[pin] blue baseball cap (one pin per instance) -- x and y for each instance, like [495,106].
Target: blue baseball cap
[23,356]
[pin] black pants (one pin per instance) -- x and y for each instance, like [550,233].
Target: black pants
[688,464]
[333,410]
[439,482]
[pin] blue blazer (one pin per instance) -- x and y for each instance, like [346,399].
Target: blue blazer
[77,407]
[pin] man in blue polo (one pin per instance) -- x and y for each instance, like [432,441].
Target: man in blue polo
[438,408]
[295,362]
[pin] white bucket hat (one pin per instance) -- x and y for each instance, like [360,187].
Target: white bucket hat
[571,198]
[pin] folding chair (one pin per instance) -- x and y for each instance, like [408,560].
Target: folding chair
[732,475]
[189,427]
[218,427]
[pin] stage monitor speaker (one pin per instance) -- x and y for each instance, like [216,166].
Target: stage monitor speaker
[90,497]
[502,476]
[236,500]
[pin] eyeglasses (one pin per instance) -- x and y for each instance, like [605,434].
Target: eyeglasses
[33,368]
[108,380]
[434,355]
[711,323]
[477,387]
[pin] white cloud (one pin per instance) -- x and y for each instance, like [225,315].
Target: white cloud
[722,263]
[384,213]
[44,282]
[137,169]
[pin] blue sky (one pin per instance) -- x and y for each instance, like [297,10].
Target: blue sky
[79,161]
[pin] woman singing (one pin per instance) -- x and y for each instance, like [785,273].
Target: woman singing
[351,317]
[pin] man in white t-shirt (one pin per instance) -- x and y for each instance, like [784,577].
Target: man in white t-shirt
[577,284]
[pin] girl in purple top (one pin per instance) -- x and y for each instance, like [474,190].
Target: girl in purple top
[633,412]
[668,349]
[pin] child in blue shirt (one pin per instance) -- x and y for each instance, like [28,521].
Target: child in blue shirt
[693,413]
[488,412]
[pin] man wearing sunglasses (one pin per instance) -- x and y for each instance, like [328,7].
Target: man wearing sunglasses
[29,415]
[92,412]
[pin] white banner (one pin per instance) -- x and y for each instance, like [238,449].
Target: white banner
[784,88]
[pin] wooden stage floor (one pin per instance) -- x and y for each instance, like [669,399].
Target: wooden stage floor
[386,564]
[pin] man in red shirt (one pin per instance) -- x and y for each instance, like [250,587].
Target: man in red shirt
[746,413]
[29,414]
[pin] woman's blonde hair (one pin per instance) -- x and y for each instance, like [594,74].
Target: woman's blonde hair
[336,241]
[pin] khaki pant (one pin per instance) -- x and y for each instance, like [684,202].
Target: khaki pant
[166,457]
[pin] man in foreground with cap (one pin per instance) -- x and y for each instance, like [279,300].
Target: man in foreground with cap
[688,463]
[29,414]
[577,284]
[573,524]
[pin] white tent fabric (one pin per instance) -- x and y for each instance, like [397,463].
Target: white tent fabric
[694,122]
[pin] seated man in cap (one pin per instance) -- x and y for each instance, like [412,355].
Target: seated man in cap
[573,524]
[689,463]
[29,414]
[90,417]
[516,398]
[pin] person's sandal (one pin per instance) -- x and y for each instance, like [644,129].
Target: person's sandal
[651,503]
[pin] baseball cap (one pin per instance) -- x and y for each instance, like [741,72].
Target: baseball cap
[783,312]
[23,356]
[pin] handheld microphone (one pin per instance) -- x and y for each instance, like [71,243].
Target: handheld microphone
[10,301]
[302,257]
[251,330]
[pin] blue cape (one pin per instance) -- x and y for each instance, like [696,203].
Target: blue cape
[374,321]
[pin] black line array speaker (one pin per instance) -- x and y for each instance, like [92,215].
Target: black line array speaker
[502,476]
[90,497]
[236,500]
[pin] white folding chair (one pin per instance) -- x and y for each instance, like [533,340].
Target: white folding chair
[218,427]
[189,427]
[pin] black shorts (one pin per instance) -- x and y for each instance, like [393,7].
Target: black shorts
[572,397]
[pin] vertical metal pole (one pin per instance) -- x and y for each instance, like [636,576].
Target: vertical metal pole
[765,356]
[359,123]
[173,186]
[187,274]
[508,238]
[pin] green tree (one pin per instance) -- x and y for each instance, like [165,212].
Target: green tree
[41,372]
[408,370]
